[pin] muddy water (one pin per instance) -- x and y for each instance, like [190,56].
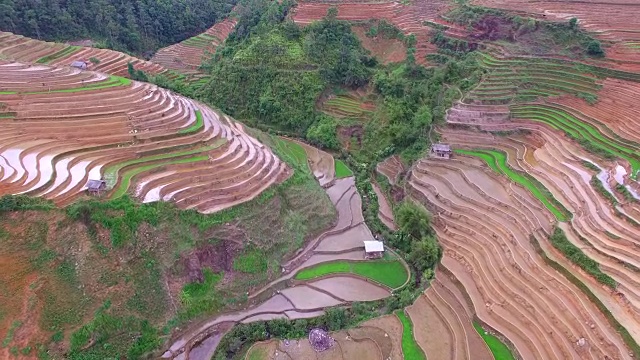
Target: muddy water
[351,289]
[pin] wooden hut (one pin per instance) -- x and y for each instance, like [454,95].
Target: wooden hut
[96,187]
[79,64]
[441,151]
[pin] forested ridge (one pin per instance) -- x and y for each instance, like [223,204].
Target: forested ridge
[136,26]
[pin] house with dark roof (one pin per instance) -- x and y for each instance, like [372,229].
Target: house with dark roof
[82,65]
[441,151]
[95,187]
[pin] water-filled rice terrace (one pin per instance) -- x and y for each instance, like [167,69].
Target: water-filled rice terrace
[69,126]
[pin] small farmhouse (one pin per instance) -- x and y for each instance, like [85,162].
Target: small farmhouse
[373,249]
[96,187]
[441,151]
[82,65]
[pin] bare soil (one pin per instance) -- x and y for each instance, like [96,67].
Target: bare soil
[386,50]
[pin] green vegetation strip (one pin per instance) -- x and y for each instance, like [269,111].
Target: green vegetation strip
[499,350]
[497,160]
[126,177]
[410,349]
[590,137]
[389,273]
[199,124]
[57,55]
[342,171]
[112,170]
[111,82]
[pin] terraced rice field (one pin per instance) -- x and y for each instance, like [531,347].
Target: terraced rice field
[342,170]
[326,264]
[347,107]
[521,80]
[497,161]
[408,17]
[443,310]
[30,51]
[603,233]
[485,223]
[391,168]
[596,135]
[143,140]
[610,20]
[187,56]
[321,163]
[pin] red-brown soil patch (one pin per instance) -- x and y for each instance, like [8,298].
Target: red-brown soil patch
[393,327]
[386,50]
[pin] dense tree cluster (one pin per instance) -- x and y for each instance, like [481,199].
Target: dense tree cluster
[135,26]
[416,237]
[270,72]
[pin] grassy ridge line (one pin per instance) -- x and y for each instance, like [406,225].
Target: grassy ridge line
[580,131]
[624,333]
[499,350]
[497,161]
[410,348]
[113,169]
[199,124]
[389,273]
[111,82]
[126,177]
[57,55]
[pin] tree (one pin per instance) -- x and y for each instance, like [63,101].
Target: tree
[424,254]
[413,220]
[573,23]
[324,133]
[594,48]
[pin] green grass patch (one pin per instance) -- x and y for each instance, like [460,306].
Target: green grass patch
[410,348]
[199,124]
[342,171]
[201,297]
[252,261]
[499,350]
[497,161]
[57,55]
[390,273]
[292,151]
